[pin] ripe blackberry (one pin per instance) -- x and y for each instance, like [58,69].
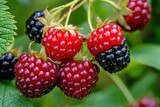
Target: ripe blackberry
[77,79]
[114,59]
[34,76]
[34,28]
[7,62]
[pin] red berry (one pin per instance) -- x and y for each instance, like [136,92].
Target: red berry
[61,44]
[146,102]
[77,79]
[140,16]
[105,38]
[35,77]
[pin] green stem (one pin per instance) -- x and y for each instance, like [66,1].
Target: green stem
[122,87]
[54,14]
[113,4]
[69,13]
[63,6]
[30,46]
[76,7]
[89,15]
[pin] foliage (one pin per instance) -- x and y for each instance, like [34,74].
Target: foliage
[7,27]
[10,97]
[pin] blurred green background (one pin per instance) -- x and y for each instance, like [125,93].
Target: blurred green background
[141,77]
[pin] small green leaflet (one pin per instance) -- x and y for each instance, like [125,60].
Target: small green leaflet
[11,97]
[147,54]
[7,27]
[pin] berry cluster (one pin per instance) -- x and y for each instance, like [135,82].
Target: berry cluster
[37,75]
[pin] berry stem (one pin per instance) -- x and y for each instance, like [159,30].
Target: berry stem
[113,4]
[89,15]
[63,6]
[120,84]
[69,13]
[76,7]
[30,45]
[54,14]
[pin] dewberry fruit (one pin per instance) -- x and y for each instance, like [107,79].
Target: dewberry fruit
[141,14]
[61,44]
[7,62]
[114,59]
[34,28]
[108,46]
[77,79]
[146,102]
[35,77]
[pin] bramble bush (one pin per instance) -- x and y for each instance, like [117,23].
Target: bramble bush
[79,53]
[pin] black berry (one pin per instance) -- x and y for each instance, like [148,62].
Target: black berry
[7,62]
[114,59]
[34,28]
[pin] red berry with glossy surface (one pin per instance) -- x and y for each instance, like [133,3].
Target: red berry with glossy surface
[61,44]
[146,102]
[35,77]
[105,38]
[77,79]
[141,14]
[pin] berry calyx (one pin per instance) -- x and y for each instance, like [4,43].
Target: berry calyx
[34,28]
[7,62]
[61,43]
[77,79]
[35,77]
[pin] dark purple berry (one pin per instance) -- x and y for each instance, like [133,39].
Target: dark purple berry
[114,59]
[34,28]
[7,62]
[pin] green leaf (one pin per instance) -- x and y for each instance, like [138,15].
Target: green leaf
[144,85]
[7,27]
[111,96]
[10,97]
[147,54]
